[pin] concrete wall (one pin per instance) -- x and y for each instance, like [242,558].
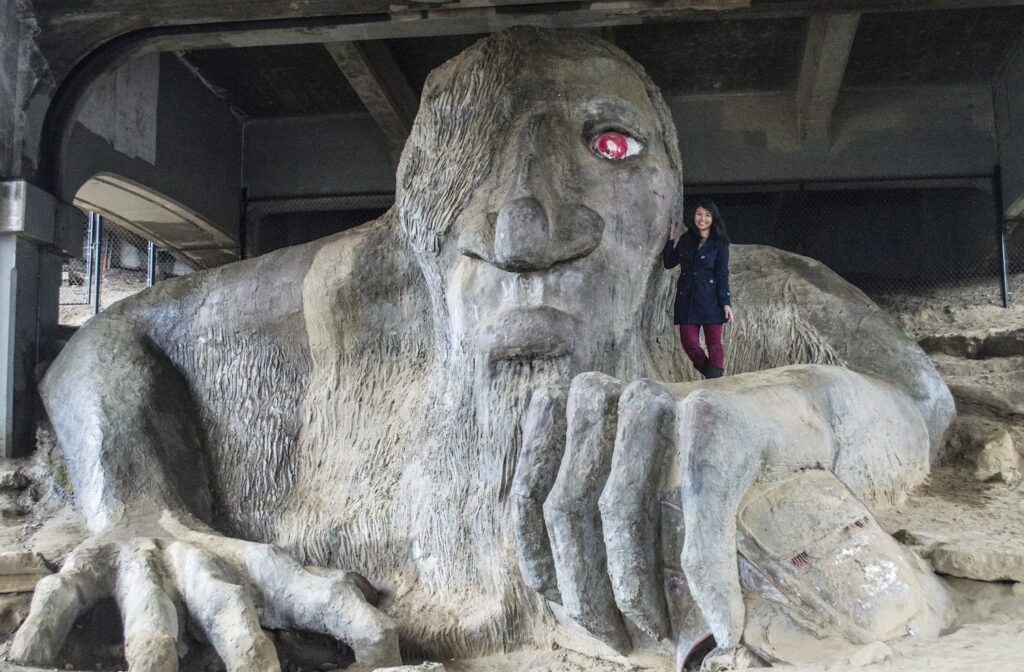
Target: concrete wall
[919,234]
[887,133]
[295,228]
[749,141]
[1008,95]
[176,138]
[344,154]
[10,34]
[312,156]
[25,88]
[892,133]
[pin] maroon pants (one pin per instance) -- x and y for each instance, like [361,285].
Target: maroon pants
[689,334]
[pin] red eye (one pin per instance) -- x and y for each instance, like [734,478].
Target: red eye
[615,145]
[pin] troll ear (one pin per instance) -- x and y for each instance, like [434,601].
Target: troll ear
[678,211]
[670,143]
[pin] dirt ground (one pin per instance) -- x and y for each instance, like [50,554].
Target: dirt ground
[964,526]
[968,520]
[117,284]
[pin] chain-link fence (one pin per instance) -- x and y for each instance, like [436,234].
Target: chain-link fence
[75,282]
[115,264]
[939,241]
[1015,260]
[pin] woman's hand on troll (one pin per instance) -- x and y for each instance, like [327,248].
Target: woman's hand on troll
[728,313]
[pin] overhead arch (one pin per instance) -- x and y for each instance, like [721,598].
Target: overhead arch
[147,213]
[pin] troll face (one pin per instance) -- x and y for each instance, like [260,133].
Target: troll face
[561,171]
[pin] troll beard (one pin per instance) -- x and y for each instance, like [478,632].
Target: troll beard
[463,536]
[408,449]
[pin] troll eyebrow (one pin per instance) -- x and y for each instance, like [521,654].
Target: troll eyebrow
[617,109]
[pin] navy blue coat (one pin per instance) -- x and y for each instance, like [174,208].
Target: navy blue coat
[702,290]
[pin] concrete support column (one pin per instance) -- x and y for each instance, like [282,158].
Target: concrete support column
[25,87]
[829,41]
[35,230]
[10,55]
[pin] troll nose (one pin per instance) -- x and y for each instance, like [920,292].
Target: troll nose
[521,235]
[526,238]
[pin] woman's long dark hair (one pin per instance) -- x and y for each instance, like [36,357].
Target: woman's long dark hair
[717,223]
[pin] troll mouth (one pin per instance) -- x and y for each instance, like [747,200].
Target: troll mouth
[527,333]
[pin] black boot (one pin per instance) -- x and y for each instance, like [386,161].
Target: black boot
[702,369]
[713,372]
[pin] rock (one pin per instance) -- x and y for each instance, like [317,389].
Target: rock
[20,571]
[303,651]
[979,397]
[998,460]
[1018,589]
[13,480]
[989,447]
[13,611]
[976,344]
[19,583]
[922,542]
[986,601]
[726,660]
[422,667]
[22,562]
[982,564]
[59,535]
[10,508]
[876,652]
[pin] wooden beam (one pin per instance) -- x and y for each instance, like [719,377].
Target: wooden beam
[829,40]
[380,84]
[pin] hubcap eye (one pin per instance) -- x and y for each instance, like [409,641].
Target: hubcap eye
[615,145]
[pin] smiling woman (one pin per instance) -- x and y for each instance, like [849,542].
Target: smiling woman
[703,301]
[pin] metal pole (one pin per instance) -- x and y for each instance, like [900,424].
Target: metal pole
[88,258]
[94,258]
[99,260]
[243,222]
[151,265]
[802,221]
[997,197]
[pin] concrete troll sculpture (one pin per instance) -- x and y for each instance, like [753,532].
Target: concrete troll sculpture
[456,402]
